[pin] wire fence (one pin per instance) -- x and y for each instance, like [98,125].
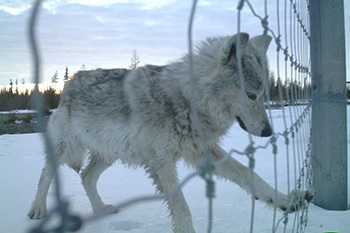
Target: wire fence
[291,38]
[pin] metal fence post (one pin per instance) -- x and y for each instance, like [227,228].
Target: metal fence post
[329,136]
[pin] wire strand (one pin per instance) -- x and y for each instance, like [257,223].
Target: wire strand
[296,136]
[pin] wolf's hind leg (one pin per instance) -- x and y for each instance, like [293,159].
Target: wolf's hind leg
[90,176]
[38,209]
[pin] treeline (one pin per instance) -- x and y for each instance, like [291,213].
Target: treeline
[292,90]
[11,100]
[289,90]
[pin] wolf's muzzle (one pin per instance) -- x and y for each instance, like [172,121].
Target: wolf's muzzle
[266,132]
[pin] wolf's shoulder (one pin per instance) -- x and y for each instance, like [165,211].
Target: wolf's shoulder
[92,80]
[100,75]
[151,71]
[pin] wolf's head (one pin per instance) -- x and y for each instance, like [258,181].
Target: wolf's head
[249,110]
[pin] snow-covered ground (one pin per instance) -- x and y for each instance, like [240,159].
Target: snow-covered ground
[18,111]
[21,161]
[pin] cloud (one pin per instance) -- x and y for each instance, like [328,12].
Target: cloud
[104,33]
[75,34]
[14,7]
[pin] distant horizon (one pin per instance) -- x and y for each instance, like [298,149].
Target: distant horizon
[22,88]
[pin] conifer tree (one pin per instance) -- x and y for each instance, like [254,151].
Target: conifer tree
[54,78]
[135,60]
[65,79]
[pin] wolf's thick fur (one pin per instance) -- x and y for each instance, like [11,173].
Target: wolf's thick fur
[143,117]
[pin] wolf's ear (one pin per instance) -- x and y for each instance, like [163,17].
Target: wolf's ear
[261,43]
[230,48]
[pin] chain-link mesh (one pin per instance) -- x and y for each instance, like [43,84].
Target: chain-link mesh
[291,38]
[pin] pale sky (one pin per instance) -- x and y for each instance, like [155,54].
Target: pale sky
[103,33]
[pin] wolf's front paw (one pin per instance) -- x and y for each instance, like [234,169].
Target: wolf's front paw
[298,199]
[108,209]
[309,195]
[37,213]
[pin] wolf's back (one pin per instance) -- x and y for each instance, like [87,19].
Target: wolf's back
[97,92]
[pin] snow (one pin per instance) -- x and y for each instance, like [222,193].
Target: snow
[19,111]
[22,158]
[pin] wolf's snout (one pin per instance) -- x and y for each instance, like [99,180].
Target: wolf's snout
[267,131]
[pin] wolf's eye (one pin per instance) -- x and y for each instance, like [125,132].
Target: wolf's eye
[251,96]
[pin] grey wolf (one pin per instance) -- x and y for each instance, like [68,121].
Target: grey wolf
[143,118]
